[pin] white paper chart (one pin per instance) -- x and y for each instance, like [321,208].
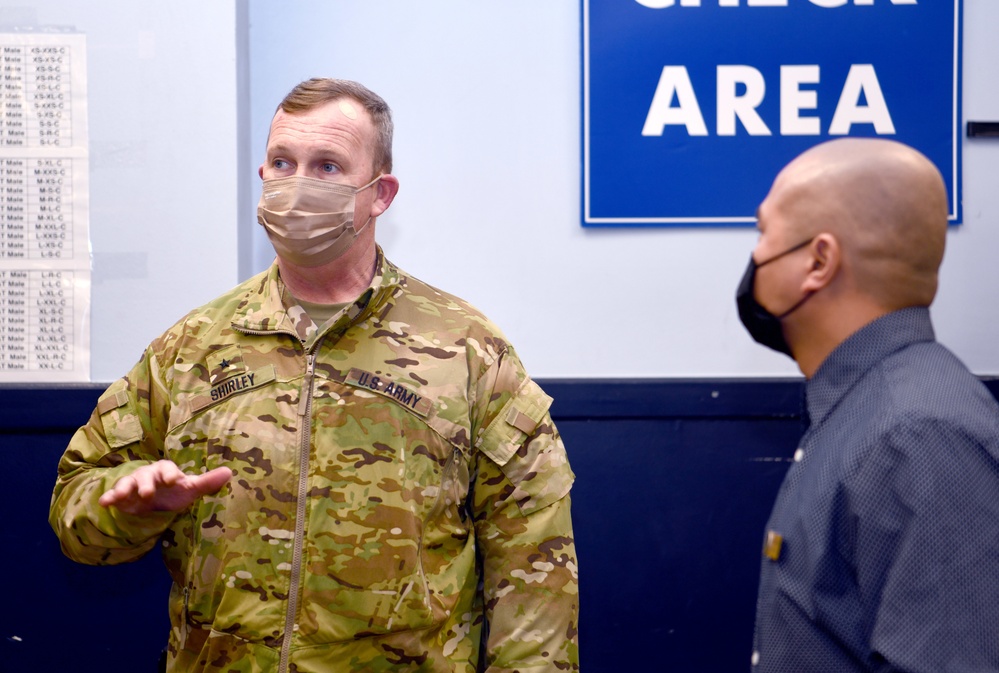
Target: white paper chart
[44,208]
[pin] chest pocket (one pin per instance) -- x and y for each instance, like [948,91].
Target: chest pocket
[410,399]
[241,380]
[418,402]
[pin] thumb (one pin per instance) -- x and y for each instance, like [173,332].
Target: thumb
[212,481]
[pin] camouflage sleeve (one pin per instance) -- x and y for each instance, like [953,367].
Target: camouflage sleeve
[121,436]
[524,529]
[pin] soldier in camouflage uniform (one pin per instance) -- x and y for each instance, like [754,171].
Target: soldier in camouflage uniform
[346,469]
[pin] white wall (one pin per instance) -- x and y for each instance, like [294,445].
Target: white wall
[967,307]
[486,99]
[487,106]
[163,170]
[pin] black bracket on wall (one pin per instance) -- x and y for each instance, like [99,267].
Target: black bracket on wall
[983,129]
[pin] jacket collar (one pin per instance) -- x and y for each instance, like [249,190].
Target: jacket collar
[267,307]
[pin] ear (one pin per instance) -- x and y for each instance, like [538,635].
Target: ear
[825,258]
[260,171]
[388,187]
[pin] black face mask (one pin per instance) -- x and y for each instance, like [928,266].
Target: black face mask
[762,325]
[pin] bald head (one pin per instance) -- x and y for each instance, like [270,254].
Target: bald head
[884,202]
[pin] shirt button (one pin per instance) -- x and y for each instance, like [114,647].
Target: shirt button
[798,455]
[755,659]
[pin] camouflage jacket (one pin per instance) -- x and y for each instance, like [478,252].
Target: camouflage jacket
[385,466]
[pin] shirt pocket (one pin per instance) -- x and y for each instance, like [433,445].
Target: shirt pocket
[239,380]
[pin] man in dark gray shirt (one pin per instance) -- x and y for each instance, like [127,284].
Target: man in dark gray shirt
[882,550]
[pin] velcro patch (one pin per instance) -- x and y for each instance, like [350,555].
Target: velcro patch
[521,421]
[112,401]
[384,386]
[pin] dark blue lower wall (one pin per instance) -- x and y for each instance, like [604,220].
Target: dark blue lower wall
[674,484]
[56,615]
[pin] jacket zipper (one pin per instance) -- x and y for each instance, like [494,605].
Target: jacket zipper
[185,624]
[305,423]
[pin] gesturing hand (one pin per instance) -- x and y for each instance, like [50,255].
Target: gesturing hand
[162,487]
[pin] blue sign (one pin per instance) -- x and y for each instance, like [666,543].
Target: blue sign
[692,107]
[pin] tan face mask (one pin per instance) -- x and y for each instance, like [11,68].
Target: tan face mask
[309,221]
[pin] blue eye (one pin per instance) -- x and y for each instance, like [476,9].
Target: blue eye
[329,168]
[280,164]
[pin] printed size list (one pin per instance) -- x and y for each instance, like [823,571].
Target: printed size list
[44,208]
[36,321]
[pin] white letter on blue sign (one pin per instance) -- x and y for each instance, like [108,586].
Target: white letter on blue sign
[829,4]
[732,106]
[793,99]
[674,79]
[848,112]
[661,4]
[840,3]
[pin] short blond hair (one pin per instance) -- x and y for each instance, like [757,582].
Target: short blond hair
[318,91]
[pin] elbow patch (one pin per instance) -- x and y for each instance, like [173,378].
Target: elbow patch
[523,442]
[119,415]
